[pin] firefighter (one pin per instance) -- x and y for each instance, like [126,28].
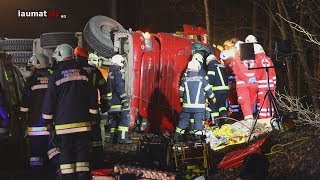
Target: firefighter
[246,82]
[100,84]
[197,57]
[264,61]
[218,79]
[70,106]
[119,111]
[32,100]
[192,96]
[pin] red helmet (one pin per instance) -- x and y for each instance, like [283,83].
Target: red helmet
[79,51]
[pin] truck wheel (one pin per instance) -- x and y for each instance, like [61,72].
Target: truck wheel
[98,35]
[52,40]
[20,57]
[16,44]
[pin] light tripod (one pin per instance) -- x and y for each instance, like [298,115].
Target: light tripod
[272,102]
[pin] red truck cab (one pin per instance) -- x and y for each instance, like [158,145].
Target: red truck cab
[154,66]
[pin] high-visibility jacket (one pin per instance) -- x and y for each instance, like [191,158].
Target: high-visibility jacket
[97,80]
[193,89]
[242,70]
[117,84]
[218,77]
[263,103]
[263,60]
[32,100]
[70,101]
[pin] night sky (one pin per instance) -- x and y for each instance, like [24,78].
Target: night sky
[228,20]
[77,16]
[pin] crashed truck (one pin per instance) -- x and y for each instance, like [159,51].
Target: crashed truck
[154,64]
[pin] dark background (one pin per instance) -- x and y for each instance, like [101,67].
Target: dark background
[231,17]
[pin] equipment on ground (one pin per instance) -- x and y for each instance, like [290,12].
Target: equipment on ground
[192,159]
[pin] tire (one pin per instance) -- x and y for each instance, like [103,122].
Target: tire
[52,40]
[16,44]
[98,39]
[20,57]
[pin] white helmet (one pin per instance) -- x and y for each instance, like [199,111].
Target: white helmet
[198,57]
[39,61]
[63,52]
[258,49]
[210,58]
[226,54]
[251,39]
[194,65]
[237,45]
[93,60]
[117,59]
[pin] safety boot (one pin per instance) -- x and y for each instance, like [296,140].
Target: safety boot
[113,136]
[123,137]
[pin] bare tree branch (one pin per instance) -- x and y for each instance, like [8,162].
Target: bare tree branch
[311,38]
[305,113]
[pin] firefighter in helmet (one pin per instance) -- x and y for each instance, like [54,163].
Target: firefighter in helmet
[32,100]
[197,57]
[100,84]
[119,111]
[70,107]
[218,79]
[193,88]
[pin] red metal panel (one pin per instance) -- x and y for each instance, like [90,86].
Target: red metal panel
[157,73]
[149,79]
[138,50]
[174,56]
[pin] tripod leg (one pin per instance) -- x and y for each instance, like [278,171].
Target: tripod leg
[256,118]
[273,103]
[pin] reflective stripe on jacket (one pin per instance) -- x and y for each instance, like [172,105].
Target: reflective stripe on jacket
[70,100]
[193,88]
[33,95]
[218,78]
[117,90]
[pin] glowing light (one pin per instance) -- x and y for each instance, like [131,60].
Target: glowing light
[146,35]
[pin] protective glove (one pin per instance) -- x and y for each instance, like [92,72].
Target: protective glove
[125,104]
[252,80]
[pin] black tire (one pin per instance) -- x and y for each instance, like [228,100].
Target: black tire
[20,57]
[52,40]
[16,44]
[98,35]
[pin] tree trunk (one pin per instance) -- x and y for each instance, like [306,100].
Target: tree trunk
[270,42]
[300,76]
[299,80]
[287,60]
[208,26]
[302,60]
[113,9]
[254,19]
